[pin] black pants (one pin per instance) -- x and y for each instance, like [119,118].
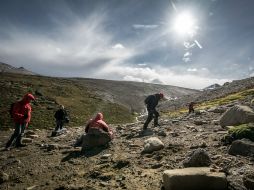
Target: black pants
[152,113]
[191,110]
[17,135]
[59,125]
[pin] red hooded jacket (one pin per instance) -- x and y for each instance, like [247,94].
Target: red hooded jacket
[22,110]
[97,122]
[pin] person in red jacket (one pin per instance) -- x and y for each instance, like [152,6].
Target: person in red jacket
[98,122]
[92,140]
[21,114]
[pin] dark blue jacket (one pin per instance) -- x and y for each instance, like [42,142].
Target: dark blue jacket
[152,101]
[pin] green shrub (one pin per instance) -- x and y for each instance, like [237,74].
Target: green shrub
[243,131]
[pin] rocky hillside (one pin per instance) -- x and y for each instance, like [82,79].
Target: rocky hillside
[118,100]
[134,160]
[5,68]
[229,92]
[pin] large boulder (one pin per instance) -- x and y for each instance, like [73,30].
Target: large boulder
[94,138]
[242,147]
[153,144]
[237,115]
[198,158]
[217,109]
[194,179]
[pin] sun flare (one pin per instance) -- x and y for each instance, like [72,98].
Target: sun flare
[184,24]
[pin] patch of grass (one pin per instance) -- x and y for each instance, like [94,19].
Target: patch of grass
[243,131]
[80,103]
[176,113]
[213,103]
[225,100]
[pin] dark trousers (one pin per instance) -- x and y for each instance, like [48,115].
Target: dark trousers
[191,110]
[17,135]
[152,113]
[59,125]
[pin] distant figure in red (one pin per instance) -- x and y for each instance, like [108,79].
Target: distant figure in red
[21,114]
[98,122]
[191,107]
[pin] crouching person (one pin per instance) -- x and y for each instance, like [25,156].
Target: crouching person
[97,133]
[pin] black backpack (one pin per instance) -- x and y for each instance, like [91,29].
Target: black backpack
[11,109]
[147,100]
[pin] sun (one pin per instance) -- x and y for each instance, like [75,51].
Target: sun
[184,24]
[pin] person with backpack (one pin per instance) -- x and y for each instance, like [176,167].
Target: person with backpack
[191,107]
[21,114]
[61,117]
[151,102]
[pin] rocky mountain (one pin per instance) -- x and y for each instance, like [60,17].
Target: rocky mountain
[212,87]
[231,88]
[5,68]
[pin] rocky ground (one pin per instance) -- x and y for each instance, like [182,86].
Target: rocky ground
[53,163]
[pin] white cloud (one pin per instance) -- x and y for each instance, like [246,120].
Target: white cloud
[84,42]
[157,73]
[191,69]
[187,54]
[142,26]
[142,64]
[118,46]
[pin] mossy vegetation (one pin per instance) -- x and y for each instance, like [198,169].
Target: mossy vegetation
[226,100]
[243,131]
[213,103]
[79,101]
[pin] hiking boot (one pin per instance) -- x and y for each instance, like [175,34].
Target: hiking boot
[144,128]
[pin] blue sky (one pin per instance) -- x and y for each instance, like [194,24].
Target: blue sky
[130,40]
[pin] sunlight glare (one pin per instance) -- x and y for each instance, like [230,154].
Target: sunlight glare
[184,24]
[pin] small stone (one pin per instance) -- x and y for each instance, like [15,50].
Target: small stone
[3,177]
[106,156]
[32,136]
[162,133]
[27,140]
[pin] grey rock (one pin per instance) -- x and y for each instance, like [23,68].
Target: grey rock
[237,115]
[198,158]
[3,177]
[194,179]
[242,147]
[152,144]
[162,133]
[27,140]
[95,138]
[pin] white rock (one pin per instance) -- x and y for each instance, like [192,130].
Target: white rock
[153,144]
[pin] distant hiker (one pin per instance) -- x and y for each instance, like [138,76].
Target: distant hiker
[151,102]
[61,117]
[21,114]
[191,107]
[98,133]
